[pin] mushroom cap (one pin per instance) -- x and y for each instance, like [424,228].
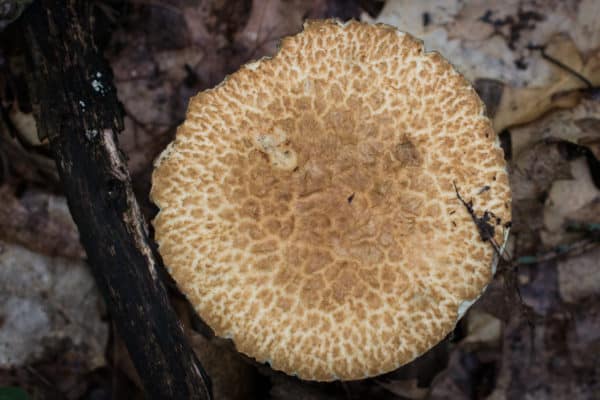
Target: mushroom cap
[308,208]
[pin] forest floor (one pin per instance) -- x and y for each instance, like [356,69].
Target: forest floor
[534,334]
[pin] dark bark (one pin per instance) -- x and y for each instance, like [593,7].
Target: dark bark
[76,109]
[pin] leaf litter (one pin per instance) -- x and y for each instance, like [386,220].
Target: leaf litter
[533,334]
[49,307]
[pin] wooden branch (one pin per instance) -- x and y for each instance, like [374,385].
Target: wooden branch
[76,109]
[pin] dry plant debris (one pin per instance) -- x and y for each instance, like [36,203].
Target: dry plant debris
[162,52]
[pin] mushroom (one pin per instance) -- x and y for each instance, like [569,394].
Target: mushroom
[309,204]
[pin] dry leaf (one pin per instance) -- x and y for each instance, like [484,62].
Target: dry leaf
[27,162]
[532,174]
[536,168]
[590,128]
[521,105]
[576,125]
[579,277]
[24,123]
[583,339]
[565,200]
[39,221]
[46,302]
[482,328]
[271,20]
[539,290]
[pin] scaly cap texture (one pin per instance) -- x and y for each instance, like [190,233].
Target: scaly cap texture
[308,209]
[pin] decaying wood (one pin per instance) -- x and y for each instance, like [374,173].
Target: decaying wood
[77,110]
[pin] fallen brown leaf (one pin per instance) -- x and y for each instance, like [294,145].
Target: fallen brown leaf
[532,174]
[271,20]
[565,200]
[39,221]
[521,105]
[21,159]
[579,277]
[583,339]
[483,329]
[48,305]
[576,125]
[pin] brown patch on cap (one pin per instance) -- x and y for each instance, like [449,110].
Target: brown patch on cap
[257,228]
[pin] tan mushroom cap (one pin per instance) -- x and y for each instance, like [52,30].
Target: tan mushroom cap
[307,203]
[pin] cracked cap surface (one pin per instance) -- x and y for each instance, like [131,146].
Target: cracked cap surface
[307,206]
